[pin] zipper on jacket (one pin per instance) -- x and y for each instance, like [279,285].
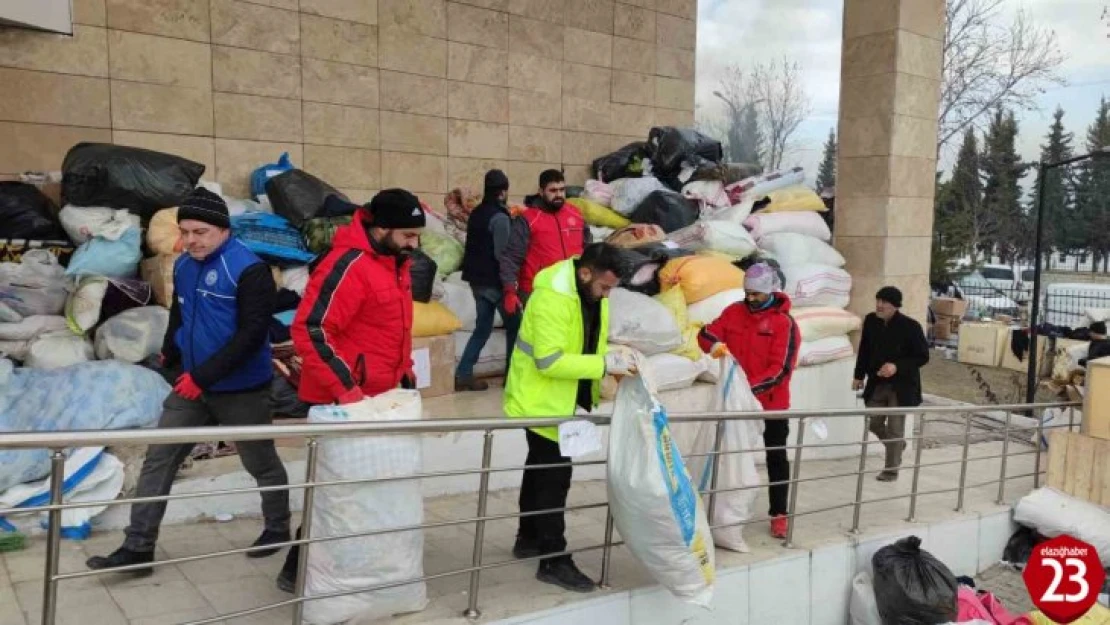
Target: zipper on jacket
[192,321]
[562,243]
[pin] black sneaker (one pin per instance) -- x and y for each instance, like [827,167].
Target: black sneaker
[525,548]
[123,557]
[470,384]
[563,573]
[268,538]
[887,476]
[287,581]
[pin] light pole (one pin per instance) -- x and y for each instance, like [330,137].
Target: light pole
[1031,374]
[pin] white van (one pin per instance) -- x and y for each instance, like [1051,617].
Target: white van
[1001,277]
[1075,305]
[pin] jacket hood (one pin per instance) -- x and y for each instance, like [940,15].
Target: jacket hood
[354,236]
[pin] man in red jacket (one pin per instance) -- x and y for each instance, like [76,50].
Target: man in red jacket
[541,236]
[353,328]
[764,339]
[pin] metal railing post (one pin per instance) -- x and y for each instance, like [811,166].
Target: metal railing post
[794,485]
[1005,452]
[607,550]
[1071,418]
[1037,451]
[472,612]
[306,528]
[715,464]
[918,446]
[963,463]
[53,538]
[858,502]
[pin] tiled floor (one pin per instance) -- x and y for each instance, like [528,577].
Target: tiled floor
[203,589]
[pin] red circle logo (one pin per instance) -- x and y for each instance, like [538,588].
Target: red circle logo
[1064,576]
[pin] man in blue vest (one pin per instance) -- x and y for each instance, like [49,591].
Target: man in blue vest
[487,234]
[218,338]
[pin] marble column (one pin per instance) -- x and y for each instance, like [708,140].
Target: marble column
[889,98]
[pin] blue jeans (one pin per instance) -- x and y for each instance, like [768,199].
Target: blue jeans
[487,300]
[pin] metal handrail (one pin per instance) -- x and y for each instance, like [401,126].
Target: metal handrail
[57,442]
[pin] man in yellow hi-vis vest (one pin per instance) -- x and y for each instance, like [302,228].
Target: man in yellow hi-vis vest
[561,354]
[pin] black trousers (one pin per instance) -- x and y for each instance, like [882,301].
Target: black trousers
[775,433]
[544,489]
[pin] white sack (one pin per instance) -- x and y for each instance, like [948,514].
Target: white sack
[757,187]
[459,299]
[718,235]
[629,192]
[83,223]
[1053,514]
[35,286]
[736,213]
[812,286]
[669,372]
[55,350]
[862,608]
[31,327]
[655,506]
[790,248]
[808,223]
[710,309]
[709,193]
[295,279]
[132,335]
[735,470]
[642,323]
[99,477]
[352,563]
[824,350]
[822,323]
[16,350]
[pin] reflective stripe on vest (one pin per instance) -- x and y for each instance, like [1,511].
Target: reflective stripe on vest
[541,363]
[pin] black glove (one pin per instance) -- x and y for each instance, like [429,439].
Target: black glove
[408,383]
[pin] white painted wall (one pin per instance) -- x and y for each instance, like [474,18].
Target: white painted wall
[51,15]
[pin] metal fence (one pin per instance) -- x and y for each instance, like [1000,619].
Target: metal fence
[314,434]
[1060,305]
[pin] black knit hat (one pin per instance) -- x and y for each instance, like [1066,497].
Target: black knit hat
[396,208]
[203,205]
[496,181]
[890,295]
[1098,327]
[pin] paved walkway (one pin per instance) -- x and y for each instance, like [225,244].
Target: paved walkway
[194,590]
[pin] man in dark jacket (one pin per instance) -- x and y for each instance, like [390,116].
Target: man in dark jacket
[541,236]
[892,351]
[218,338]
[487,234]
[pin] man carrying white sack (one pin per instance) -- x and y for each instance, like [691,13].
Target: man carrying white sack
[561,355]
[218,336]
[764,339]
[892,350]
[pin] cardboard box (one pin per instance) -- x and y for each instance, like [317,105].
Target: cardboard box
[1079,465]
[1011,362]
[983,343]
[158,272]
[948,311]
[1096,404]
[433,359]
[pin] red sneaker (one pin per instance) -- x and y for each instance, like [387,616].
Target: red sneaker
[778,526]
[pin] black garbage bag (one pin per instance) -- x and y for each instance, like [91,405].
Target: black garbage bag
[116,176]
[336,205]
[1021,545]
[640,266]
[299,196]
[912,587]
[671,148]
[667,209]
[627,162]
[423,276]
[26,213]
[284,400]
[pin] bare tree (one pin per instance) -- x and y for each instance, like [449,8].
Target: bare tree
[777,92]
[766,105]
[989,64]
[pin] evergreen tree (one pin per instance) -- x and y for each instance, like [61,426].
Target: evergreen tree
[748,137]
[962,226]
[1059,228]
[1092,193]
[1002,171]
[826,174]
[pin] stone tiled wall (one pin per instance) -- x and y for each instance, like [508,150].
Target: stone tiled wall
[424,94]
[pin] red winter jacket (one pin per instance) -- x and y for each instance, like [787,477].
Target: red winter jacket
[554,237]
[764,343]
[354,323]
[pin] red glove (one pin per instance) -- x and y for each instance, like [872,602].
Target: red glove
[352,396]
[511,300]
[187,388]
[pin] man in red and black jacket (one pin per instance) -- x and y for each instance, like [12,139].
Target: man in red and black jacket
[353,328]
[542,235]
[760,333]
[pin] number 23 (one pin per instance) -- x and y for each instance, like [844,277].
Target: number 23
[1051,594]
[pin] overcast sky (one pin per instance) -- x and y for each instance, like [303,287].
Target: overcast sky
[745,32]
